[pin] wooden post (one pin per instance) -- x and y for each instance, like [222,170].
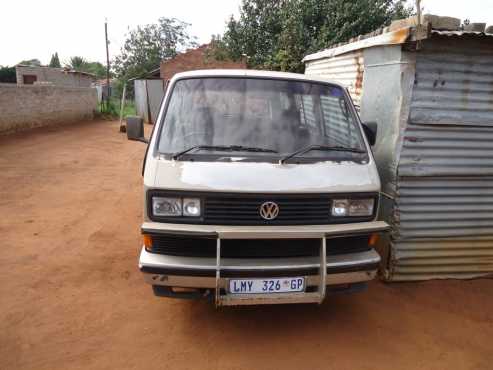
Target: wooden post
[122,107]
[107,66]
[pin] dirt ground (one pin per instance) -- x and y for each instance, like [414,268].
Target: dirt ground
[71,296]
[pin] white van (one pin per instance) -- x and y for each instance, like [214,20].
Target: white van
[259,187]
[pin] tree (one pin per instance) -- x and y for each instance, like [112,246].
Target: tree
[146,46]
[256,34]
[31,62]
[7,75]
[76,63]
[277,34]
[55,61]
[96,68]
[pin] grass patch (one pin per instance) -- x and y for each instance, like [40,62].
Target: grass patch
[113,111]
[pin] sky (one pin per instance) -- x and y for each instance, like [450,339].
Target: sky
[77,28]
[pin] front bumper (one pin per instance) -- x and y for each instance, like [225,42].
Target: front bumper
[213,274]
[189,272]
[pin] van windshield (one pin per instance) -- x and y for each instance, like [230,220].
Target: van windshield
[282,116]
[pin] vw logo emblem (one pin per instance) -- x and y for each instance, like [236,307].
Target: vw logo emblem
[269,210]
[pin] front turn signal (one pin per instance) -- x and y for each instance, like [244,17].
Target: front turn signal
[373,239]
[147,241]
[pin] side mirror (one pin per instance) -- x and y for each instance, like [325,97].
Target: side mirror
[135,129]
[370,129]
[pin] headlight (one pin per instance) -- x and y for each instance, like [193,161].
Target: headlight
[166,206]
[340,207]
[352,207]
[176,207]
[191,207]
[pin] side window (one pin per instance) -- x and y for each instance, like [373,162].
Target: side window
[336,118]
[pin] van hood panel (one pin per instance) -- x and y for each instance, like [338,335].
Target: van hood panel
[264,177]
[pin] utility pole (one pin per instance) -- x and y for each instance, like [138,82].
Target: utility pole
[418,23]
[107,65]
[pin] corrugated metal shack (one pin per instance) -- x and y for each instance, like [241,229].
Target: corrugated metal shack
[431,92]
[148,96]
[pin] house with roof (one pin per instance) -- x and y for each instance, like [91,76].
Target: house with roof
[41,75]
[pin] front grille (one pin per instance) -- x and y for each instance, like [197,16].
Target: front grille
[244,210]
[187,246]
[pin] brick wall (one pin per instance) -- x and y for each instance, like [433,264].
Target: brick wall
[28,106]
[56,76]
[196,59]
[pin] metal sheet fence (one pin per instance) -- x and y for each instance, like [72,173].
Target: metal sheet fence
[443,228]
[434,107]
[454,82]
[148,96]
[452,150]
[443,213]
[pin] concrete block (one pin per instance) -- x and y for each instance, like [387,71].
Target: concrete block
[443,23]
[437,22]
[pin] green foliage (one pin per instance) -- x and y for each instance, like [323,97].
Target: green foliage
[217,50]
[118,88]
[146,46]
[96,68]
[112,111]
[112,108]
[55,61]
[31,62]
[76,63]
[129,109]
[277,34]
[7,75]
[79,63]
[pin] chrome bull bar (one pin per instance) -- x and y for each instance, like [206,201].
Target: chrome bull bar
[272,298]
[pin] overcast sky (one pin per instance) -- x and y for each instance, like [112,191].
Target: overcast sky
[36,29]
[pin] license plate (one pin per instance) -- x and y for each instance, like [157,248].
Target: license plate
[266,286]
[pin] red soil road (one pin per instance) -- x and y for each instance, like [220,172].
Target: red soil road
[71,296]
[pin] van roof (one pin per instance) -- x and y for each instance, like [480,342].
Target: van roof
[250,73]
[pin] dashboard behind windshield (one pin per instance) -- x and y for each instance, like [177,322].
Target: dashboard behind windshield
[281,115]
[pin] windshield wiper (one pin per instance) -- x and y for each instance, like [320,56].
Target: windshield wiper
[227,148]
[327,148]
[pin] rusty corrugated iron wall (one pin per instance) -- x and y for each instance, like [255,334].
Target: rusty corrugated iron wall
[454,79]
[434,150]
[346,69]
[443,215]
